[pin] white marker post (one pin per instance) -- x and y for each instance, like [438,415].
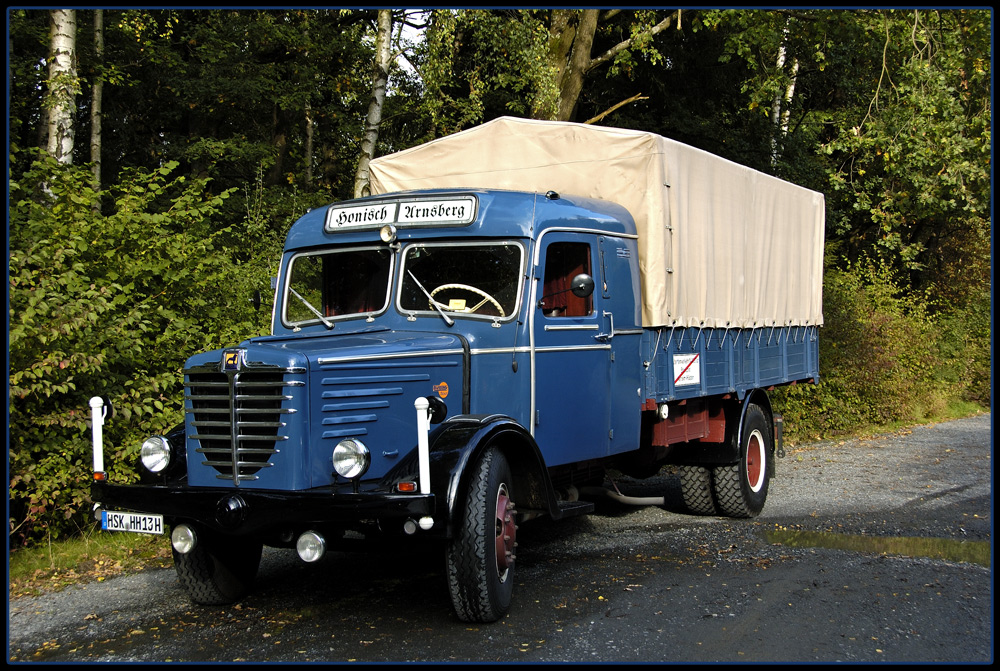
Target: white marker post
[423,447]
[97,419]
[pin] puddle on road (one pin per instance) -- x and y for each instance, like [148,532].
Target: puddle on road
[975,552]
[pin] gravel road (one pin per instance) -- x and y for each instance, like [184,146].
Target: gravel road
[868,550]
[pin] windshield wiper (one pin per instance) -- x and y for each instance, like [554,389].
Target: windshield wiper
[329,324]
[447,320]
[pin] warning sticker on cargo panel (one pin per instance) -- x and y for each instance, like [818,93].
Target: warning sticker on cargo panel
[687,369]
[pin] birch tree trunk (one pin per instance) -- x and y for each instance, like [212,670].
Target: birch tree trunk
[780,106]
[63,84]
[380,78]
[97,93]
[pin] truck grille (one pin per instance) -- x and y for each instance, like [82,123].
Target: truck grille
[237,418]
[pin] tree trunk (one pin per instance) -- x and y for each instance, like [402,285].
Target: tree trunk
[380,78]
[310,127]
[782,102]
[97,93]
[309,123]
[571,82]
[63,84]
[571,39]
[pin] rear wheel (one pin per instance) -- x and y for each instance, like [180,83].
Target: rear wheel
[218,570]
[480,559]
[696,490]
[741,488]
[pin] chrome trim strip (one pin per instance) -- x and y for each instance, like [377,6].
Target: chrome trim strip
[573,327]
[374,357]
[500,350]
[576,348]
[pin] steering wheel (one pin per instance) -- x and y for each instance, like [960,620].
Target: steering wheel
[465,287]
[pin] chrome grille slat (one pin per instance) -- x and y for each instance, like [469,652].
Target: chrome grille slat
[268,384]
[248,424]
[258,397]
[238,432]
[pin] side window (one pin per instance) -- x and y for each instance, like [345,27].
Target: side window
[563,262]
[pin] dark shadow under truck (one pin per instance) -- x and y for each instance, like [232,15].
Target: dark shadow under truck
[448,361]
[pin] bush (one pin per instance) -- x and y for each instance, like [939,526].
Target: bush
[106,305]
[879,358]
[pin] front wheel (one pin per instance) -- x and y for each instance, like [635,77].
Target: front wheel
[741,489]
[218,571]
[480,559]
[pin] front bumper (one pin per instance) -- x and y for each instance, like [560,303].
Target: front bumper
[267,514]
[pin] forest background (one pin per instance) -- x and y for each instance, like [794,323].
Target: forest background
[158,157]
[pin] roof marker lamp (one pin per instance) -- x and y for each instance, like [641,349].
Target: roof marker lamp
[388,233]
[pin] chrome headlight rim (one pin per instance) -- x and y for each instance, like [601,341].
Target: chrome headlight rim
[351,458]
[156,453]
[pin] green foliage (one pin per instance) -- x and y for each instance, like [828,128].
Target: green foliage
[105,305]
[879,357]
[913,170]
[964,345]
[479,64]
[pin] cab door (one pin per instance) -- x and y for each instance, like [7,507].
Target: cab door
[622,330]
[571,352]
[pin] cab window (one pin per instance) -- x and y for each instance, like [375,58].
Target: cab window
[563,262]
[337,284]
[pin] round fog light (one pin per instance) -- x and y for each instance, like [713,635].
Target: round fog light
[310,546]
[183,538]
[155,453]
[351,458]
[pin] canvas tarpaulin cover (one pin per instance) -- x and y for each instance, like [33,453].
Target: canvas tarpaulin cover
[720,245]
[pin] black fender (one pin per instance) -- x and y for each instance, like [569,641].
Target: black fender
[457,443]
[760,398]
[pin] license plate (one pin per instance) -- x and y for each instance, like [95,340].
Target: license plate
[139,523]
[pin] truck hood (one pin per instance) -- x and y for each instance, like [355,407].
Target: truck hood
[357,386]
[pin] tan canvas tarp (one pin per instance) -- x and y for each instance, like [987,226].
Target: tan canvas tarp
[719,244]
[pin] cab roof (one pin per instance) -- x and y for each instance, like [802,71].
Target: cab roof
[443,213]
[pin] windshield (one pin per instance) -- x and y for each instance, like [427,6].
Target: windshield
[325,285]
[462,279]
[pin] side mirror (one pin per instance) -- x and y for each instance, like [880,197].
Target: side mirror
[256,299]
[582,285]
[439,411]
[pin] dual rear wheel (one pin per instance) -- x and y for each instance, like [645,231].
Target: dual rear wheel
[739,489]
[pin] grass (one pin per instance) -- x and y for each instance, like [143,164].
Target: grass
[92,556]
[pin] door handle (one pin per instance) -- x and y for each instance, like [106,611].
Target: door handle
[604,337]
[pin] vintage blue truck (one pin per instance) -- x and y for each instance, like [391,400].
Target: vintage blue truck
[449,360]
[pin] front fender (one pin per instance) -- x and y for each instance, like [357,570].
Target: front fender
[458,442]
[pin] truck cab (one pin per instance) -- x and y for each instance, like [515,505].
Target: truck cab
[509,321]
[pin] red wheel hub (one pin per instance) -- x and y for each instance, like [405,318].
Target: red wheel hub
[755,461]
[506,531]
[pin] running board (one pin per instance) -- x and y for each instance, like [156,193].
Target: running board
[566,509]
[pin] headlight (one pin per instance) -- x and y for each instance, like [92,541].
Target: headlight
[155,454]
[351,458]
